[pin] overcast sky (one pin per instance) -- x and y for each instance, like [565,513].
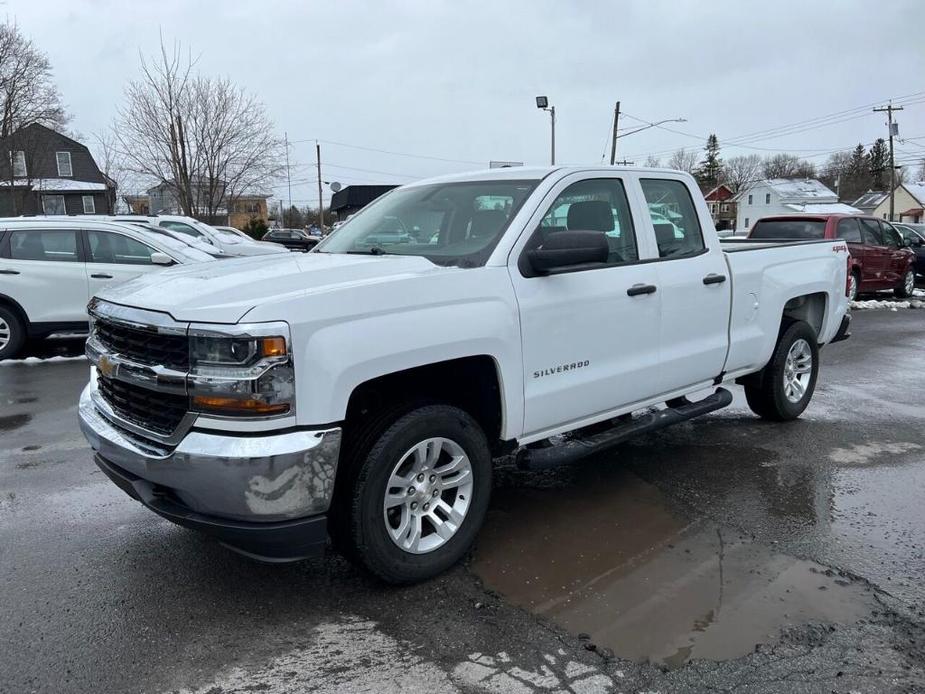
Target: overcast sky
[457,80]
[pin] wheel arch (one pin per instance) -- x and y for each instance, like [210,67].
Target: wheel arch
[13,305]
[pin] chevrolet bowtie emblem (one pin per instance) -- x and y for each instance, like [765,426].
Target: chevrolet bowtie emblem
[106,366]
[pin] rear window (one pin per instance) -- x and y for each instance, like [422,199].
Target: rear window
[802,229]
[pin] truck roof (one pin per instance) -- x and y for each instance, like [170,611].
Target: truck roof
[530,173]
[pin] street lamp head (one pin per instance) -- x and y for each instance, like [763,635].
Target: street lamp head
[542,102]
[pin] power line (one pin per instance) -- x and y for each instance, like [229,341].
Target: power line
[394,153]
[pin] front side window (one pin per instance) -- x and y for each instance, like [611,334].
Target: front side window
[671,209]
[848,230]
[599,205]
[89,204]
[53,204]
[18,162]
[890,235]
[55,245]
[64,163]
[457,223]
[870,232]
[106,247]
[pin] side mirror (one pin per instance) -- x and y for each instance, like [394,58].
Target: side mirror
[565,249]
[159,258]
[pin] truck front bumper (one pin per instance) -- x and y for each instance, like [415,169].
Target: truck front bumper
[263,495]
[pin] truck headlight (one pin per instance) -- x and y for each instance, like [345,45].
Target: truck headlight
[248,373]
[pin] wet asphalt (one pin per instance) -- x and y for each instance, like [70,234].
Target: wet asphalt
[726,553]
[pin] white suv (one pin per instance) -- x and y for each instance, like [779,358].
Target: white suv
[49,269]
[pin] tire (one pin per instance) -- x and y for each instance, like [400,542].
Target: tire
[448,439]
[12,333]
[907,287]
[768,396]
[853,286]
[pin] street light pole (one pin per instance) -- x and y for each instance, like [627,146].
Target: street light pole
[613,144]
[542,103]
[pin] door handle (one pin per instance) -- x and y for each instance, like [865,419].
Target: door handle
[713,278]
[9,272]
[101,276]
[638,289]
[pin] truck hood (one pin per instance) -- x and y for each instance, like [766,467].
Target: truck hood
[223,292]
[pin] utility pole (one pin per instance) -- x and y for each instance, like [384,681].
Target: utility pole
[889,108]
[613,144]
[288,178]
[552,115]
[320,199]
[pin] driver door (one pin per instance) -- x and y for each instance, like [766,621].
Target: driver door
[589,346]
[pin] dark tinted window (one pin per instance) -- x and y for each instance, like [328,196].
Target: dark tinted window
[870,232]
[796,229]
[890,235]
[116,248]
[671,209]
[597,204]
[44,245]
[849,230]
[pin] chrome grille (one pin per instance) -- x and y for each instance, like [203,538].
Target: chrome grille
[157,412]
[144,346]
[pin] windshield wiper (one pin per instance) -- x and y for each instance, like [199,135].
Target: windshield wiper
[374,250]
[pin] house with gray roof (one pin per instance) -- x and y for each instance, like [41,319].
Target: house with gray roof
[780,196]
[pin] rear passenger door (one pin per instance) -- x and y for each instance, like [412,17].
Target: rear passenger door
[693,285]
[113,258]
[897,257]
[43,270]
[876,256]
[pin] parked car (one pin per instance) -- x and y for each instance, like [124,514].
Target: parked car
[880,259]
[364,393]
[50,267]
[293,239]
[914,234]
[228,243]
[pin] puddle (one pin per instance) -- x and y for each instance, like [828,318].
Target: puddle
[14,421]
[604,555]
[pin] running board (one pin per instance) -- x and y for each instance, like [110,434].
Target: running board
[577,448]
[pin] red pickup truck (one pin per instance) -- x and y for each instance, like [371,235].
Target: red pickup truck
[880,256]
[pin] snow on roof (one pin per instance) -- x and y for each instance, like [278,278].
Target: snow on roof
[870,199]
[916,190]
[57,185]
[824,208]
[801,188]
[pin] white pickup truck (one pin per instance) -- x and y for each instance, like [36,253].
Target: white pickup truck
[362,391]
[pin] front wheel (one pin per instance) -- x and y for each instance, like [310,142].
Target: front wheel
[907,287]
[421,494]
[12,333]
[785,386]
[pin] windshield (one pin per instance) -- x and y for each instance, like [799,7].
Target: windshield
[228,234]
[802,229]
[447,223]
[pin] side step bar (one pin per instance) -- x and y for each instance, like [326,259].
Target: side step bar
[575,449]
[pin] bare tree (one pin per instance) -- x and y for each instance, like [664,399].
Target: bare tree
[206,139]
[785,165]
[107,157]
[684,160]
[740,172]
[653,162]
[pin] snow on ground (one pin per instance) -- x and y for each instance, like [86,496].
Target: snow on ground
[32,361]
[917,301]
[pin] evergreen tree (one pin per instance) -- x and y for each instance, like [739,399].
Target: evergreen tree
[709,169]
[879,162]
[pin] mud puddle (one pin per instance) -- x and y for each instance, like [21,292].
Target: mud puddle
[603,554]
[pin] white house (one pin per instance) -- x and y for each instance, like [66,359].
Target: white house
[779,196]
[908,203]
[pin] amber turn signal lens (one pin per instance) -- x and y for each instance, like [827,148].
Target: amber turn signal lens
[273,347]
[224,405]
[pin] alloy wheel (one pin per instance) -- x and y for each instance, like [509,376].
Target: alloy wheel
[5,333]
[798,370]
[428,495]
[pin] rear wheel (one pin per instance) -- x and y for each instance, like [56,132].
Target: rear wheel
[785,386]
[12,333]
[420,494]
[854,281]
[907,287]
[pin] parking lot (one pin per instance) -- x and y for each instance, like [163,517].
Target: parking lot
[726,553]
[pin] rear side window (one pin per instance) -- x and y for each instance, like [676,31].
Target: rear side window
[671,209]
[597,204]
[55,245]
[870,232]
[116,248]
[795,229]
[890,236]
[848,230]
